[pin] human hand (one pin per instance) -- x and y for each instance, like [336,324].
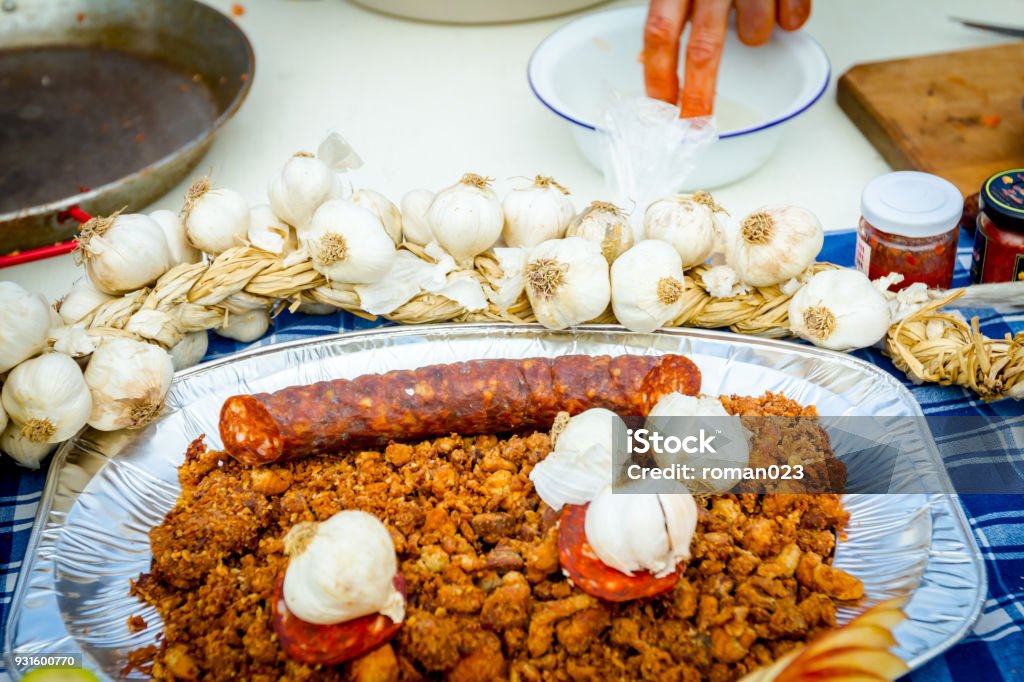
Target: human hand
[709,21]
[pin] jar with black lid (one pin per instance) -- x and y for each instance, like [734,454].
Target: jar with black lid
[999,241]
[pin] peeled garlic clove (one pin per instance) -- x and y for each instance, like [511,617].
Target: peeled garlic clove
[605,225]
[567,282]
[381,206]
[774,244]
[302,186]
[24,324]
[22,450]
[688,223]
[123,253]
[415,226]
[177,241]
[46,397]
[215,220]
[647,286]
[840,310]
[268,232]
[348,244]
[190,350]
[79,304]
[536,213]
[246,327]
[466,218]
[129,381]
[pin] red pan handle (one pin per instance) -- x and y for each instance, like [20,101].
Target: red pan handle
[59,249]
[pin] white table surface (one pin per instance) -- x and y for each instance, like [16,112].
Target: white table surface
[424,103]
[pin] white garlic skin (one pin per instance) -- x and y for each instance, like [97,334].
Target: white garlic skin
[124,252]
[688,225]
[47,397]
[774,244]
[24,323]
[23,451]
[378,204]
[129,381]
[3,416]
[605,225]
[415,225]
[215,219]
[721,281]
[840,310]
[81,302]
[246,327]
[348,244]
[302,186]
[466,218]
[536,213]
[190,351]
[177,241]
[270,233]
[345,570]
[580,465]
[641,531]
[567,282]
[647,286]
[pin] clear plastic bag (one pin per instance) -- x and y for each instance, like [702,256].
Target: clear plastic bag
[649,151]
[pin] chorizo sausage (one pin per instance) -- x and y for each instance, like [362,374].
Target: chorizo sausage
[479,396]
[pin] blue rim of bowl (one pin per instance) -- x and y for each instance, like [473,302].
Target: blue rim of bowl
[734,133]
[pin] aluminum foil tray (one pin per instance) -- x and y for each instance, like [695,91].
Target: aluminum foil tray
[106,490]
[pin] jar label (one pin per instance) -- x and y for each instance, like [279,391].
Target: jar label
[1018,269]
[862,255]
[978,257]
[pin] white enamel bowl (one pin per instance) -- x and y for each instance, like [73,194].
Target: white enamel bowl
[760,89]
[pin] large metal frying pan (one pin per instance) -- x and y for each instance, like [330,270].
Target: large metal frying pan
[106,104]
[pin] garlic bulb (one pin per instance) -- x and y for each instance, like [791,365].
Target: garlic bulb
[24,323]
[246,327]
[177,241]
[567,282]
[341,569]
[536,213]
[79,304]
[722,281]
[47,398]
[774,244]
[123,253]
[22,450]
[647,286]
[605,225]
[581,464]
[215,220]
[840,310]
[128,381]
[637,531]
[268,232]
[379,205]
[415,225]
[688,223]
[681,416]
[466,218]
[190,350]
[348,244]
[302,186]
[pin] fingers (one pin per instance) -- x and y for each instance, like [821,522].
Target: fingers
[665,20]
[793,13]
[708,24]
[755,20]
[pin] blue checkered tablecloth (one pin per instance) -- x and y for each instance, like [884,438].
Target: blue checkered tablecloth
[993,651]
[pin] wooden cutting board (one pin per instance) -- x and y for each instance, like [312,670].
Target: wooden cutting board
[957,114]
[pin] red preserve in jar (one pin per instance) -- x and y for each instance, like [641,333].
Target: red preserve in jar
[999,242]
[909,224]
